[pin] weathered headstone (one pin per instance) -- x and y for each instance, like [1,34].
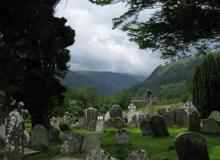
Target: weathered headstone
[191,146]
[54,135]
[107,116]
[115,122]
[194,122]
[215,115]
[210,126]
[14,147]
[150,101]
[181,117]
[90,142]
[39,138]
[100,126]
[169,118]
[90,118]
[123,137]
[158,126]
[72,143]
[138,155]
[145,127]
[115,111]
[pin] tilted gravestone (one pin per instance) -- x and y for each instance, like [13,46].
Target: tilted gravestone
[90,118]
[39,138]
[90,142]
[115,111]
[210,126]
[14,147]
[72,143]
[138,155]
[145,127]
[181,117]
[123,137]
[158,126]
[100,126]
[194,122]
[169,118]
[191,146]
[215,115]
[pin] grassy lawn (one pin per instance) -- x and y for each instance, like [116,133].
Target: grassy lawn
[157,148]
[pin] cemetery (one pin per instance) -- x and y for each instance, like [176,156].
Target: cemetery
[109,80]
[114,136]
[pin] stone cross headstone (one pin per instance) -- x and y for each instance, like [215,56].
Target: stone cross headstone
[191,146]
[39,138]
[215,115]
[123,137]
[158,126]
[150,101]
[14,148]
[145,127]
[90,118]
[115,111]
[194,122]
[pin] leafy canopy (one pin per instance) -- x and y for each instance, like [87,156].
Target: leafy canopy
[175,27]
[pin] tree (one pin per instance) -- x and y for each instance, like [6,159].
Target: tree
[206,86]
[174,28]
[33,54]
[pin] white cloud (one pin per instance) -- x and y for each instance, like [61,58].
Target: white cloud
[97,46]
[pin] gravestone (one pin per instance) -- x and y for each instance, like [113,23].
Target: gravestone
[191,146]
[194,122]
[138,155]
[54,135]
[150,101]
[107,116]
[115,111]
[132,112]
[100,126]
[90,142]
[115,123]
[158,126]
[190,108]
[72,143]
[14,148]
[169,118]
[210,126]
[39,138]
[123,137]
[145,127]
[215,115]
[181,117]
[90,118]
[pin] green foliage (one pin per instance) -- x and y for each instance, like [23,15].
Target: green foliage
[174,27]
[206,85]
[170,82]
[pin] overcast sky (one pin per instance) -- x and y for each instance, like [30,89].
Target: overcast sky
[97,46]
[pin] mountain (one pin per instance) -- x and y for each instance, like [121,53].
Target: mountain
[171,81]
[107,83]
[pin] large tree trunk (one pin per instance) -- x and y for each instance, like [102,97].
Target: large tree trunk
[40,118]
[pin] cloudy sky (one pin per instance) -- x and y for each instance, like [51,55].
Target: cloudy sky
[97,46]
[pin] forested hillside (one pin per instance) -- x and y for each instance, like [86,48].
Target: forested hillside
[171,81]
[106,83]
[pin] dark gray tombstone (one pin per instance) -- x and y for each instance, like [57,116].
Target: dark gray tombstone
[210,126]
[72,143]
[54,135]
[14,146]
[115,123]
[169,118]
[194,122]
[39,138]
[181,117]
[158,126]
[90,118]
[145,127]
[115,111]
[191,146]
[123,137]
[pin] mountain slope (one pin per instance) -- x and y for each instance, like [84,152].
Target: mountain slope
[107,83]
[171,81]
